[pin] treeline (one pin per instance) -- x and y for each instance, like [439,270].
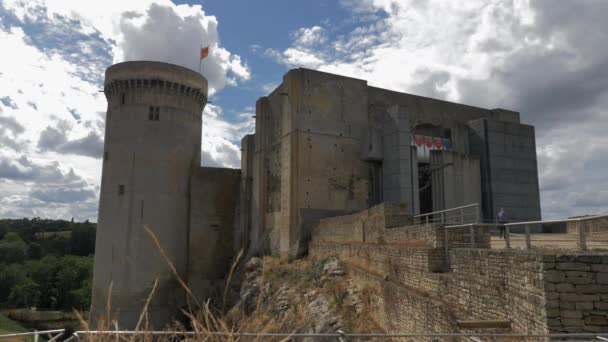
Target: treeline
[47,264]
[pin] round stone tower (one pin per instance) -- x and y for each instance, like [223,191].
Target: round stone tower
[152,144]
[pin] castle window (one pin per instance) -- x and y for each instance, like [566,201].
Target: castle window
[121,189]
[105,155]
[122,98]
[154,113]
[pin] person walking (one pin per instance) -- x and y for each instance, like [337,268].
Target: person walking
[502,219]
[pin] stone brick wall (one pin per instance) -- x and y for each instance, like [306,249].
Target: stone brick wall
[388,223]
[576,288]
[399,309]
[483,284]
[498,284]
[367,225]
[415,288]
[388,260]
[591,225]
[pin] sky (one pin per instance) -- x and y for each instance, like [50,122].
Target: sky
[546,59]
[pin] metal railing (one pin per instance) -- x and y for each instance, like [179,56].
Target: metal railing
[37,334]
[343,337]
[460,215]
[532,235]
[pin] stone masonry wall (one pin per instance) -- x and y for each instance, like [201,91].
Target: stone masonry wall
[366,225]
[399,309]
[413,281]
[498,284]
[576,287]
[483,284]
[388,222]
[591,225]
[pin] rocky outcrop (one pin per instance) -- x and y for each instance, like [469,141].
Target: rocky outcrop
[309,296]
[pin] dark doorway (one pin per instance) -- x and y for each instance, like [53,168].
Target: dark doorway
[425,188]
[375,183]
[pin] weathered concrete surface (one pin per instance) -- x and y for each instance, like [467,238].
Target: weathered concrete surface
[509,176]
[456,180]
[331,144]
[146,180]
[214,199]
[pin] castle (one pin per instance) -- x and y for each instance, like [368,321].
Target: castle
[324,146]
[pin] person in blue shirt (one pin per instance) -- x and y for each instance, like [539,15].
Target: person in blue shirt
[502,219]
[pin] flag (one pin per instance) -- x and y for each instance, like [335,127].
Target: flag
[204,52]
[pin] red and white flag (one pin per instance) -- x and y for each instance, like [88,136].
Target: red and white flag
[204,52]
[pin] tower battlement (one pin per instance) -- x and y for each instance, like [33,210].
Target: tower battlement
[130,82]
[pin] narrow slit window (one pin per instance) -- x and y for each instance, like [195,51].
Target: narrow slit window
[105,155]
[122,98]
[151,114]
[121,189]
[157,114]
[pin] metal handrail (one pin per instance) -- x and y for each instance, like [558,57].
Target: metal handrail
[529,222]
[451,209]
[582,239]
[458,211]
[556,221]
[30,333]
[337,334]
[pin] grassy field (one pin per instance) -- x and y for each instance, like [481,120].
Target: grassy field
[8,326]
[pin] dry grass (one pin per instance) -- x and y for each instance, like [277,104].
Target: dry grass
[206,320]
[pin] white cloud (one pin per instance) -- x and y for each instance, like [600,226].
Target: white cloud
[174,34]
[51,107]
[309,36]
[532,57]
[219,137]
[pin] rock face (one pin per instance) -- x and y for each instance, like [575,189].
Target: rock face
[250,289]
[314,298]
[332,268]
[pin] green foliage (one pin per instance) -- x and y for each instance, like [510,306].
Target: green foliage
[82,240]
[46,264]
[25,294]
[10,276]
[12,248]
[8,326]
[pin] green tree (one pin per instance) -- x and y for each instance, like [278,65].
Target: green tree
[10,275]
[25,294]
[12,248]
[4,228]
[35,251]
[82,240]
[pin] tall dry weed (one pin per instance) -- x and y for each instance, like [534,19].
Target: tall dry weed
[206,322]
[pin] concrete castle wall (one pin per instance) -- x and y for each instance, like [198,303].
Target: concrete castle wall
[152,144]
[326,144]
[508,152]
[211,248]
